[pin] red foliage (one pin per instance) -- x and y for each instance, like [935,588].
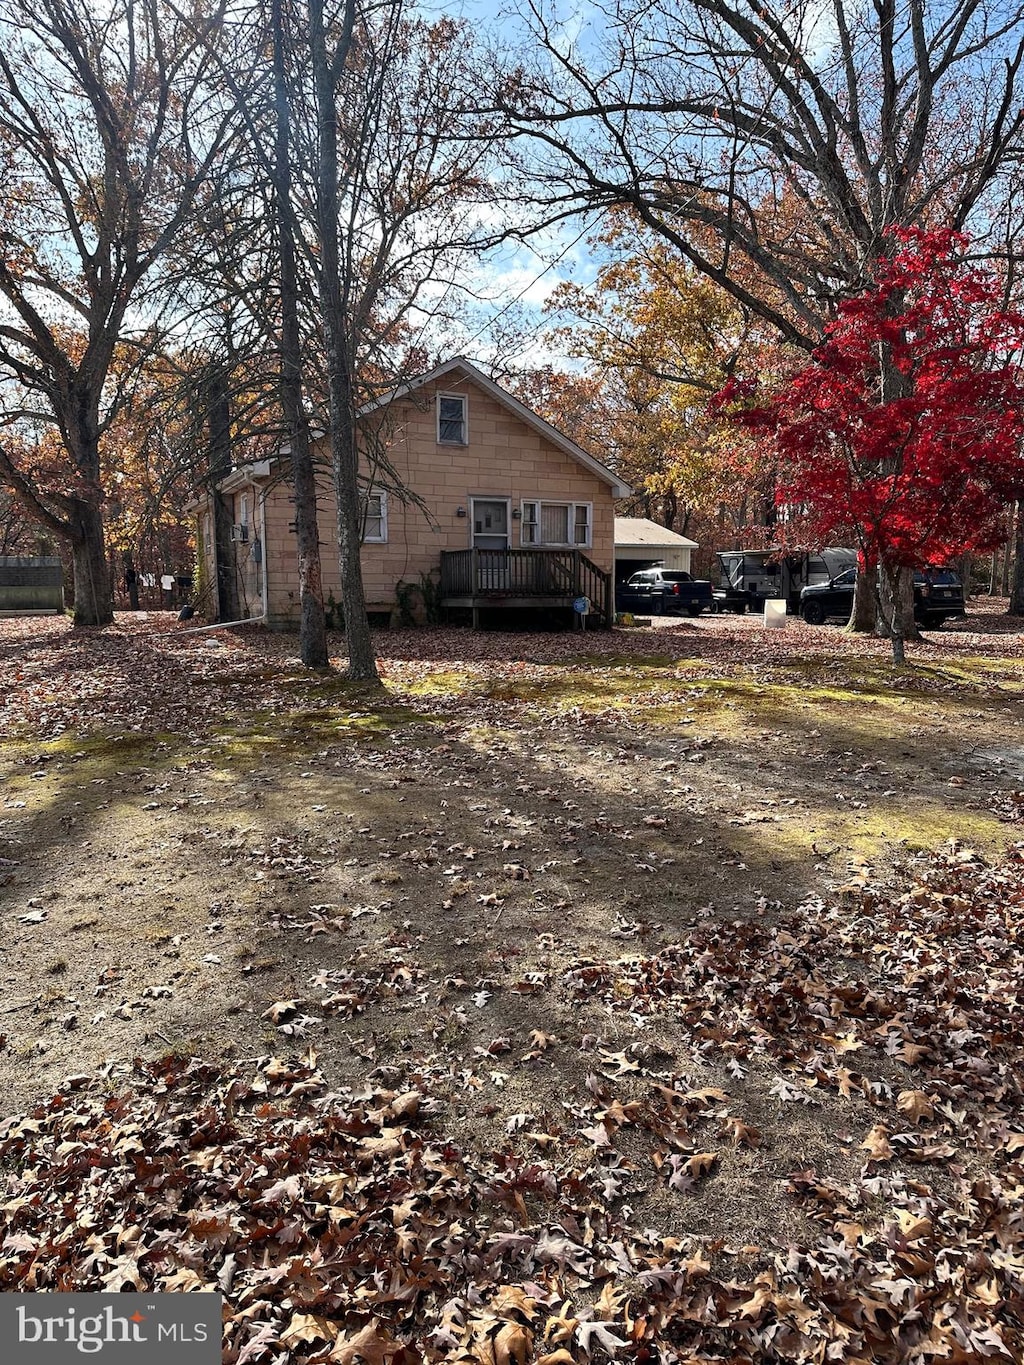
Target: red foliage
[907,425]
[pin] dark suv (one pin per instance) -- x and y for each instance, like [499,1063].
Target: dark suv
[938,597]
[664,590]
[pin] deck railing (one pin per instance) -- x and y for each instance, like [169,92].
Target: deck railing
[540,574]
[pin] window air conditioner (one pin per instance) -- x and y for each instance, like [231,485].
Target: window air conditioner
[240,533]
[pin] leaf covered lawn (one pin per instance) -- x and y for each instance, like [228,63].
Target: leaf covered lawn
[544,1008]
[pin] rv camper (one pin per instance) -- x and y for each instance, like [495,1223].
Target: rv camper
[749,578]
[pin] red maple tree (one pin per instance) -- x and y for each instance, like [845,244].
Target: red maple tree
[906,427]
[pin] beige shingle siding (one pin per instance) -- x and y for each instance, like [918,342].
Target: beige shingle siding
[504,458]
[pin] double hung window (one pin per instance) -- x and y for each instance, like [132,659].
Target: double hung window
[556,523]
[375,516]
[451,419]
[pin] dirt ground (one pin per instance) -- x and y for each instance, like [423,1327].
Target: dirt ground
[194,833]
[511,806]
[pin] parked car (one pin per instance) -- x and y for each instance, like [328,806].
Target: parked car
[654,591]
[750,578]
[938,597]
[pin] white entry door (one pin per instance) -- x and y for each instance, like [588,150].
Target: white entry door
[490,537]
[490,524]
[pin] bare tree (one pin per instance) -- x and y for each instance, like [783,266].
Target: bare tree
[397,181]
[106,135]
[772,144]
[312,626]
[333,243]
[329,60]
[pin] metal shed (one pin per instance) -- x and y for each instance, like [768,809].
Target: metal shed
[30,585]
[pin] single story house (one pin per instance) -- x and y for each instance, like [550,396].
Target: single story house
[641,544]
[501,512]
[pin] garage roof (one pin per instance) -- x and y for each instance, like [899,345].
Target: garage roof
[640,531]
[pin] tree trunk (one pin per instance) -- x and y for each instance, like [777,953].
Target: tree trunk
[1004,584]
[340,347]
[131,580]
[228,604]
[362,661]
[218,425]
[895,602]
[905,599]
[94,604]
[864,612]
[1016,607]
[312,627]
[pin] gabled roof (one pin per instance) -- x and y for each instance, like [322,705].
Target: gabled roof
[641,531]
[460,365]
[243,474]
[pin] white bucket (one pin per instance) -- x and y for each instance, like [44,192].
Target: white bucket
[775,614]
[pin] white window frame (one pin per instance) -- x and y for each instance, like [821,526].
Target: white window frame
[530,523]
[447,440]
[381,493]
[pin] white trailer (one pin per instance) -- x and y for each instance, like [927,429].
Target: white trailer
[749,578]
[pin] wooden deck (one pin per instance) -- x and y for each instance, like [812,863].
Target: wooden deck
[521,579]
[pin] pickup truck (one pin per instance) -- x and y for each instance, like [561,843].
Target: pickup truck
[664,591]
[938,597]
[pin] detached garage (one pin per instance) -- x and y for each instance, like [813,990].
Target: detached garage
[640,543]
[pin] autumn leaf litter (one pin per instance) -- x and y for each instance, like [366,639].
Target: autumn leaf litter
[786,1131]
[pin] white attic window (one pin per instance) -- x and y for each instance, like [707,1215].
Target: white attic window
[451,419]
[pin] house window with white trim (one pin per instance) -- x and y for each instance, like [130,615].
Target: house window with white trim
[556,523]
[451,419]
[375,517]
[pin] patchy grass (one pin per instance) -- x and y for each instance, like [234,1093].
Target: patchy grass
[877,835]
[548,895]
[295,728]
[442,682]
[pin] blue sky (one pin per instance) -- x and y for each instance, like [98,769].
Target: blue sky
[516,281]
